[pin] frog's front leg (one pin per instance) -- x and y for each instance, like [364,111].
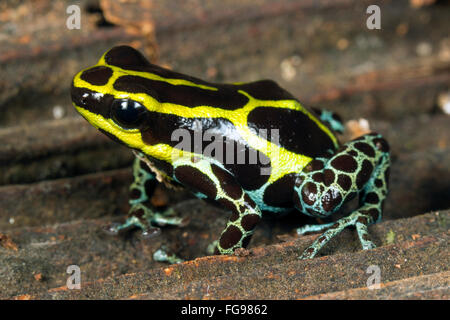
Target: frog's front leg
[141,213]
[359,167]
[216,183]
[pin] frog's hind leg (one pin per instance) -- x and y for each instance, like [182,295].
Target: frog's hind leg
[141,213]
[331,118]
[216,183]
[358,167]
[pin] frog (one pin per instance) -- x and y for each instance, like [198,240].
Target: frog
[250,147]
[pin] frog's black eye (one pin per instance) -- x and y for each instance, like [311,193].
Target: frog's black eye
[128,113]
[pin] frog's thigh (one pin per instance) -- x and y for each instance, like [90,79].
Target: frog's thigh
[359,167]
[219,185]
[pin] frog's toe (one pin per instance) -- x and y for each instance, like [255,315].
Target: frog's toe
[357,219]
[313,228]
[161,255]
[150,232]
[168,218]
[363,236]
[115,229]
[132,222]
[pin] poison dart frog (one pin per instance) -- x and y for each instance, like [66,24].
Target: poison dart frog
[249,147]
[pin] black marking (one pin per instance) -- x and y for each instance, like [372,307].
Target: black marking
[372,197]
[378,183]
[309,193]
[344,163]
[265,90]
[249,200]
[297,132]
[227,182]
[328,177]
[196,180]
[126,57]
[161,165]
[135,193]
[314,165]
[226,97]
[352,153]
[97,76]
[344,182]
[249,221]
[280,192]
[364,174]
[318,177]
[230,237]
[235,215]
[331,199]
[373,213]
[366,148]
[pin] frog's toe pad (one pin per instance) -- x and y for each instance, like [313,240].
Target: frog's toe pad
[168,218]
[150,232]
[114,229]
[161,255]
[367,245]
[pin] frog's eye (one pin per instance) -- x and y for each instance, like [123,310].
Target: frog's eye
[128,113]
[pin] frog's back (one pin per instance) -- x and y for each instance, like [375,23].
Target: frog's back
[260,105]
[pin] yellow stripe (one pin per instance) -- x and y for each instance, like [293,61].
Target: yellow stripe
[150,76]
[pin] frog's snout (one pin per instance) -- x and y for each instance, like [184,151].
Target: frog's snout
[94,102]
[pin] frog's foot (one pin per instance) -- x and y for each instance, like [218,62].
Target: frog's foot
[359,167]
[313,228]
[358,219]
[167,217]
[146,219]
[161,255]
[132,222]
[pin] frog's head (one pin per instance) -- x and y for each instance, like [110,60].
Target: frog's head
[113,96]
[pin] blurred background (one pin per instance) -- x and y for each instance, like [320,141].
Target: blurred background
[56,170]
